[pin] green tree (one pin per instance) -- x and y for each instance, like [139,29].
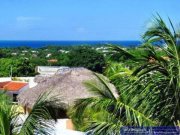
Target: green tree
[63,59]
[113,112]
[5,67]
[24,68]
[36,122]
[18,67]
[150,96]
[86,57]
[165,71]
[158,76]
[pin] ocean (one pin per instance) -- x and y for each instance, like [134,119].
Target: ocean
[39,44]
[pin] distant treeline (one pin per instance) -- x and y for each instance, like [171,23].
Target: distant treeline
[21,61]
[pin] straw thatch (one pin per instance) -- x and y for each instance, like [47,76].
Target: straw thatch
[68,85]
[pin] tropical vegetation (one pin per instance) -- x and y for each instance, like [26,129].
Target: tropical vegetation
[21,61]
[147,81]
[88,58]
[39,120]
[148,85]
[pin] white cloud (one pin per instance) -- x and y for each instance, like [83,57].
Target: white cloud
[27,22]
[27,19]
[81,30]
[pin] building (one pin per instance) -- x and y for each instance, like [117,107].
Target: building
[49,70]
[13,88]
[67,86]
[52,61]
[30,80]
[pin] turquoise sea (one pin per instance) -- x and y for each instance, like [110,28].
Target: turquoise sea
[39,44]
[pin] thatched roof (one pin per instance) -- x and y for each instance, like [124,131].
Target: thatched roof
[68,85]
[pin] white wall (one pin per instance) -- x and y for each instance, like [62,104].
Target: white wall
[4,79]
[30,80]
[60,128]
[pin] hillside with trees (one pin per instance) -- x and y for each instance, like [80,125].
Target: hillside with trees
[21,61]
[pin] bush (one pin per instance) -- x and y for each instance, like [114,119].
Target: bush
[86,57]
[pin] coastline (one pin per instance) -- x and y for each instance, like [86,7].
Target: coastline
[43,43]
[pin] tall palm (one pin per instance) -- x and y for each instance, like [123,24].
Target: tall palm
[150,96]
[164,70]
[38,121]
[159,74]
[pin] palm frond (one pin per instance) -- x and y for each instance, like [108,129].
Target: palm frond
[118,52]
[40,120]
[123,113]
[6,114]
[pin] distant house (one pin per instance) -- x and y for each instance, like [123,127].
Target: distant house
[48,55]
[52,61]
[63,51]
[33,51]
[13,88]
[49,70]
[25,51]
[14,54]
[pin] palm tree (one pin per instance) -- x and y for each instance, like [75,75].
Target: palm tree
[159,74]
[116,113]
[164,70]
[150,96]
[38,121]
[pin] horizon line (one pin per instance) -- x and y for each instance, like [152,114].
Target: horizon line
[74,40]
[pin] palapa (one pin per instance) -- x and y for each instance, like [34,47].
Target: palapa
[67,85]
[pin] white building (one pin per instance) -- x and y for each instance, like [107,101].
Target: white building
[49,70]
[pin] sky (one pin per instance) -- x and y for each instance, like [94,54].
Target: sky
[81,19]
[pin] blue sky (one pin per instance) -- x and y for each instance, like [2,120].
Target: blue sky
[81,19]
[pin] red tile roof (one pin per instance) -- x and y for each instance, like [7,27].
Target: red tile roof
[2,84]
[12,86]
